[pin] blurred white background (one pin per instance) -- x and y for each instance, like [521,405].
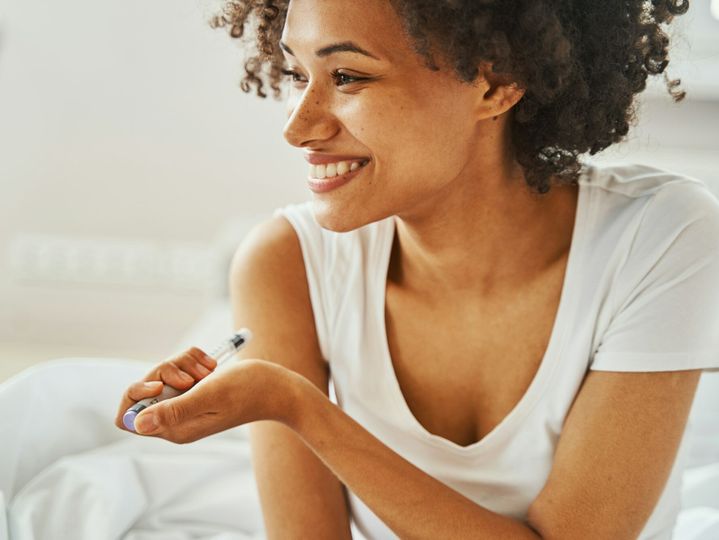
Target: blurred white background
[131,164]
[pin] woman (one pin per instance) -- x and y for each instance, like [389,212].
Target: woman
[514,337]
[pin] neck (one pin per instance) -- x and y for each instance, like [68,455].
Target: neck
[482,234]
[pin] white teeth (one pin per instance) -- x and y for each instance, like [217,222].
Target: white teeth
[331,170]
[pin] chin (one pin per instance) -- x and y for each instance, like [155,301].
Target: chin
[340,220]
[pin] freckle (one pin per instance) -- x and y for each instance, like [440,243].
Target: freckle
[317,102]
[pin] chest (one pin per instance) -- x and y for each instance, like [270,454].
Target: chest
[463,366]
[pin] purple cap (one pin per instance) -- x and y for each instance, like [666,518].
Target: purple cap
[129,419]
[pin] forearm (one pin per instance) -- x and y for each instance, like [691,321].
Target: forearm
[289,475]
[409,501]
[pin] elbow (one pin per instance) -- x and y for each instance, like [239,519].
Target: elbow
[580,521]
[539,523]
[549,524]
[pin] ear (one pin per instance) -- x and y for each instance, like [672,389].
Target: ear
[496,93]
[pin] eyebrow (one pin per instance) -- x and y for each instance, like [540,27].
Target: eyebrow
[344,46]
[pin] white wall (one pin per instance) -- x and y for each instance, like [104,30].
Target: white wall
[124,120]
[121,124]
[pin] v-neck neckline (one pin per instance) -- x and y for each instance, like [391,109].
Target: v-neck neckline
[545,369]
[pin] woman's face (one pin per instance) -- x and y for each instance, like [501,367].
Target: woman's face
[419,129]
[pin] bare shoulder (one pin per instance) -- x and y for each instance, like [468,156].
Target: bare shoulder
[270,295]
[271,244]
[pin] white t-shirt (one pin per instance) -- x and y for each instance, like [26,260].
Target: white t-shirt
[641,293]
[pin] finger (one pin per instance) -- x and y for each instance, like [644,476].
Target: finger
[166,367]
[195,363]
[164,416]
[171,373]
[204,359]
[144,389]
[189,431]
[134,393]
[198,371]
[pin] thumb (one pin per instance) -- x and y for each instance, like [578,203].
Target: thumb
[161,416]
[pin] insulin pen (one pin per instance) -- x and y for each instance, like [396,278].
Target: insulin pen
[223,351]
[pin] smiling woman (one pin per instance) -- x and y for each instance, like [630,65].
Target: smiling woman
[514,335]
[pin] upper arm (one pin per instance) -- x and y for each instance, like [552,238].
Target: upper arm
[300,496]
[615,454]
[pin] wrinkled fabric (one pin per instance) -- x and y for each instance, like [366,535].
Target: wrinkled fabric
[68,473]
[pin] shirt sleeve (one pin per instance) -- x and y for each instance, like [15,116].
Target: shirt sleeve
[668,314]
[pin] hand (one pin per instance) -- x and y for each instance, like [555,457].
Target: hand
[180,372]
[241,392]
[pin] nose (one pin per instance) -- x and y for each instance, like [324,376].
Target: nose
[310,120]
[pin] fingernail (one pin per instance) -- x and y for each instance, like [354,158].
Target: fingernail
[186,376]
[145,423]
[151,384]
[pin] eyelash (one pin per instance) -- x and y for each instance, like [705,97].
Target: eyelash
[336,75]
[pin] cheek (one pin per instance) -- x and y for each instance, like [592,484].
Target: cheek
[404,134]
[415,150]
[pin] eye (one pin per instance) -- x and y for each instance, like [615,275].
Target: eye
[343,78]
[295,77]
[339,78]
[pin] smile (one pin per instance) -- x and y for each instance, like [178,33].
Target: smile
[338,178]
[339,168]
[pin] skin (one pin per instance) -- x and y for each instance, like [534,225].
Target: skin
[467,230]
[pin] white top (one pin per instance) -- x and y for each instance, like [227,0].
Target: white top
[641,293]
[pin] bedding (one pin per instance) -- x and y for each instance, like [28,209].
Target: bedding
[68,473]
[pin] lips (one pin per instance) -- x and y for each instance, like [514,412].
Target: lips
[324,185]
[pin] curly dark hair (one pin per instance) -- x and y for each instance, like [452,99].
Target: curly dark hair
[580,62]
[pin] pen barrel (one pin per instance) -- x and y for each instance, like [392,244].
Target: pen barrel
[129,417]
[224,351]
[167,392]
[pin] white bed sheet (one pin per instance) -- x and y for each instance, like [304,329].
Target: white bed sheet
[68,473]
